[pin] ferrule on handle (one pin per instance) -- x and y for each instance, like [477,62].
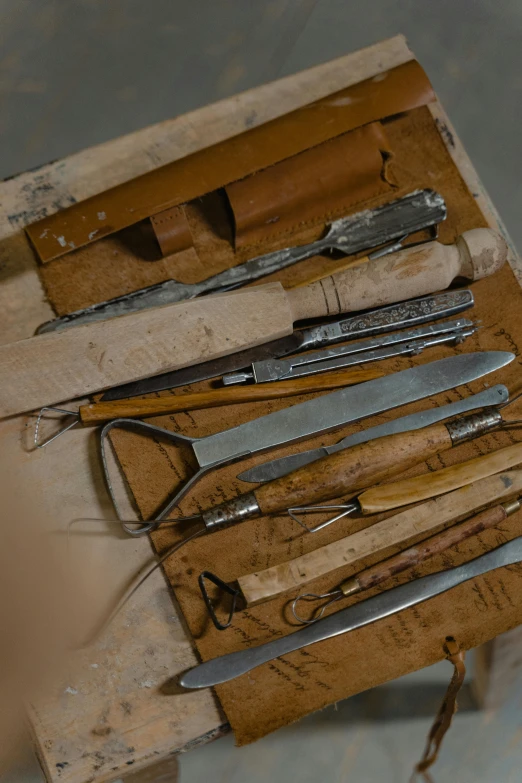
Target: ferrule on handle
[474,425]
[370,461]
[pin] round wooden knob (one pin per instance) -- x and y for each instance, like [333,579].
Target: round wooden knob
[483,252]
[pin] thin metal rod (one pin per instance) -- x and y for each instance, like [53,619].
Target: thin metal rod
[74,414]
[334,595]
[134,587]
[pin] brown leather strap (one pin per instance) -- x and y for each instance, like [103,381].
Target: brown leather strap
[447,710]
[172,230]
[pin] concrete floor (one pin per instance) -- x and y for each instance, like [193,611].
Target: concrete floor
[77,72]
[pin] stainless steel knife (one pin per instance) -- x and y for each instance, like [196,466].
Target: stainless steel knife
[368,611]
[405,342]
[385,319]
[371,228]
[276,468]
[312,417]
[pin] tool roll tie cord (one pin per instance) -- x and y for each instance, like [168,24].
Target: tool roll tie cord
[447,710]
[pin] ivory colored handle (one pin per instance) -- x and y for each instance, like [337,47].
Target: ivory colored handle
[413,272]
[373,576]
[378,499]
[60,366]
[105,411]
[342,266]
[394,531]
[352,469]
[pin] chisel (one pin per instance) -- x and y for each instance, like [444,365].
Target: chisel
[371,228]
[63,365]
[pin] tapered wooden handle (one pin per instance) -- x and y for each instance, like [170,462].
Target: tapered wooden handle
[373,576]
[401,493]
[105,411]
[350,470]
[394,531]
[409,273]
[84,359]
[336,268]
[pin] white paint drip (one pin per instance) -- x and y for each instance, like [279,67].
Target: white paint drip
[102,216]
[61,241]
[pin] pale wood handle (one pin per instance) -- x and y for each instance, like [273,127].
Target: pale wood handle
[81,360]
[137,408]
[336,269]
[394,531]
[389,496]
[413,272]
[374,575]
[350,470]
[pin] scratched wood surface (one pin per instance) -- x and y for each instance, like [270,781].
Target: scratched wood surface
[115,713]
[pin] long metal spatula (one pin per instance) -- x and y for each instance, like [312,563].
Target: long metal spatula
[371,228]
[226,667]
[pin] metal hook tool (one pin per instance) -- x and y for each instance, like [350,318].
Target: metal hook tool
[407,558]
[301,421]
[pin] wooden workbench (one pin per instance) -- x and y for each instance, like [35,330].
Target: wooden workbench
[116,714]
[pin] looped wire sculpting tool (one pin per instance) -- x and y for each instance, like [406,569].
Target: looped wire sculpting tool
[302,421]
[408,558]
[100,412]
[227,667]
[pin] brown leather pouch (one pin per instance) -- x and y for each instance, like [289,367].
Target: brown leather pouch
[192,240]
[308,189]
[392,92]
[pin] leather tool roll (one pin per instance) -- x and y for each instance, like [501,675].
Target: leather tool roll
[319,185]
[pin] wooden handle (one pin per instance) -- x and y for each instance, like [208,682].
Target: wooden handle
[81,360]
[335,270]
[413,272]
[154,406]
[415,555]
[378,499]
[394,531]
[352,469]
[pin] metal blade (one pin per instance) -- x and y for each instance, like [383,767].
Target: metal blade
[415,421]
[390,318]
[347,405]
[385,319]
[205,370]
[226,667]
[406,341]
